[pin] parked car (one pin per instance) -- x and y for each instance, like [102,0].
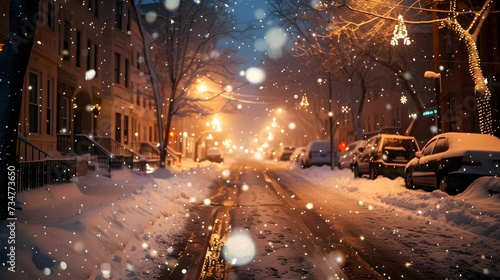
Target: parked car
[317,153]
[452,161]
[348,159]
[296,156]
[385,154]
[214,154]
[284,153]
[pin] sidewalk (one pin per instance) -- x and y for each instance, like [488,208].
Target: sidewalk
[71,230]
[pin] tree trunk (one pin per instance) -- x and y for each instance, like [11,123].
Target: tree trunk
[158,97]
[13,63]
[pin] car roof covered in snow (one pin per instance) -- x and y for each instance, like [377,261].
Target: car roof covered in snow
[471,141]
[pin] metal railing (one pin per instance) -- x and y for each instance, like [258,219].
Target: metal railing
[49,171]
[37,168]
[130,157]
[148,150]
[84,145]
[175,156]
[65,144]
[151,151]
[27,151]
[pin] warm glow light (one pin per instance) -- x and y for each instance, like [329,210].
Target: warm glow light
[400,32]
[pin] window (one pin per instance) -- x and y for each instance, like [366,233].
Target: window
[93,6]
[63,110]
[48,124]
[428,148]
[129,17]
[441,146]
[66,38]
[89,55]
[34,103]
[50,14]
[117,68]
[118,14]
[95,58]
[118,134]
[126,78]
[78,48]
[125,129]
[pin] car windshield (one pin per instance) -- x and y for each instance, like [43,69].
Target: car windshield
[400,143]
[399,150]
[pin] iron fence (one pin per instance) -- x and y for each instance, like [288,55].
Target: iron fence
[37,173]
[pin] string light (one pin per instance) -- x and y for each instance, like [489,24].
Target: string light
[400,32]
[481,90]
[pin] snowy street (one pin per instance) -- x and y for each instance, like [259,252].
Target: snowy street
[136,227]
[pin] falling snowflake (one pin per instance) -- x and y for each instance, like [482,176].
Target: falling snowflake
[403,99]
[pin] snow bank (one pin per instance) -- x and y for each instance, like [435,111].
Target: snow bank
[103,226]
[475,210]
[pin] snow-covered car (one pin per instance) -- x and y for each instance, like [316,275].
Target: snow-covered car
[214,154]
[284,153]
[296,156]
[452,161]
[317,153]
[385,154]
[348,159]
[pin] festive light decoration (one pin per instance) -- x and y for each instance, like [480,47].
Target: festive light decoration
[304,102]
[400,32]
[403,99]
[345,109]
[482,93]
[96,109]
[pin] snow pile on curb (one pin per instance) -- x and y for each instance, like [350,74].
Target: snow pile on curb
[474,210]
[104,227]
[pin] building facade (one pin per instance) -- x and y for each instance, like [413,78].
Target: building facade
[86,76]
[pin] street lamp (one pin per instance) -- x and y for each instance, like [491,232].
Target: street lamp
[96,109]
[437,76]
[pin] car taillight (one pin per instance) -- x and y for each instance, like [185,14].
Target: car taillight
[468,162]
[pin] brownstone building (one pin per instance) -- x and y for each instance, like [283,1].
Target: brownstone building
[86,80]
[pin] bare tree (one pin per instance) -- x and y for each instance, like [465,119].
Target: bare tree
[358,25]
[346,49]
[181,48]
[466,24]
[14,59]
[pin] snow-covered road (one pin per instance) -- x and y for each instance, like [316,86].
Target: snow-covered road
[130,226]
[437,235]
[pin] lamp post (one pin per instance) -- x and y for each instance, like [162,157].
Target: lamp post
[96,109]
[437,76]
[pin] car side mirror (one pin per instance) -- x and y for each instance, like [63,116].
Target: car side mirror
[418,154]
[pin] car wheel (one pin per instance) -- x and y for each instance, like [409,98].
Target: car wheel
[449,187]
[373,176]
[443,183]
[409,179]
[356,172]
